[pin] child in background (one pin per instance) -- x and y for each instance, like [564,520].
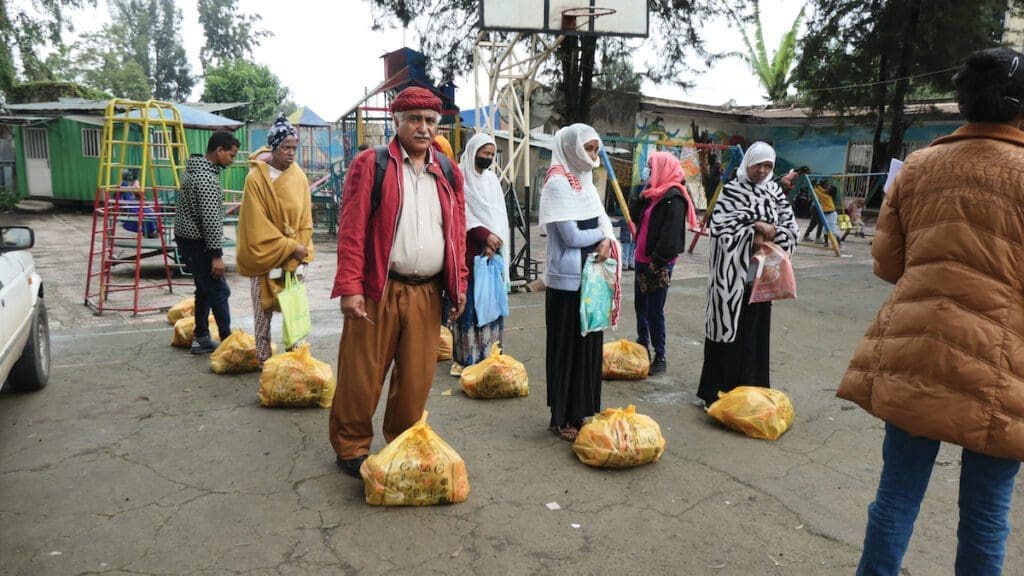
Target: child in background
[626,239]
[816,224]
[855,210]
[826,198]
[131,191]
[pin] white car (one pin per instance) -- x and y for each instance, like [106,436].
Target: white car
[24,331]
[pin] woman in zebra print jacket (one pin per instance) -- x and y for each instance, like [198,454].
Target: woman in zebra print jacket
[751,209]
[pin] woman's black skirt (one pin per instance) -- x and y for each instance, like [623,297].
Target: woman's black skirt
[742,362]
[573,361]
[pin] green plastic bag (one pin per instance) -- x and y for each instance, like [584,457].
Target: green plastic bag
[596,295]
[294,305]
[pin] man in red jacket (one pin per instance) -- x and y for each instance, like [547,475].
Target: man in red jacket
[396,255]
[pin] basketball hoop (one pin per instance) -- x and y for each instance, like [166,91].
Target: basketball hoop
[587,14]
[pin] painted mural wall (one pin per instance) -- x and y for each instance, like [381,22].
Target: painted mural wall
[823,149]
[674,132]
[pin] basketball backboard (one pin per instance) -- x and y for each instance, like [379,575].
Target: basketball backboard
[567,17]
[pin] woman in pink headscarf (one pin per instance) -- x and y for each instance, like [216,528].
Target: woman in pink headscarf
[660,214]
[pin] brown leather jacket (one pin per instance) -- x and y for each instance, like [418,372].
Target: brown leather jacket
[944,358]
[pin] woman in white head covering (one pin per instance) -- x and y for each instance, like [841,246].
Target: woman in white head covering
[751,210]
[573,215]
[487,235]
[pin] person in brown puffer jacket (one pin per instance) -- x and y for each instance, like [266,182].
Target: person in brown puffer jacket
[944,359]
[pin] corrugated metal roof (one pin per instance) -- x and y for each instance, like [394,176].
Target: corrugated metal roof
[768,113]
[306,117]
[61,105]
[764,113]
[20,119]
[215,106]
[190,117]
[85,119]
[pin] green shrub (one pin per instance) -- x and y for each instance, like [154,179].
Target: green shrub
[8,200]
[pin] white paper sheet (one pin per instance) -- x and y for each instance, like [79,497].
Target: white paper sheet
[894,169]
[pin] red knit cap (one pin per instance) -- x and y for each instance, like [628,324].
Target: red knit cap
[416,98]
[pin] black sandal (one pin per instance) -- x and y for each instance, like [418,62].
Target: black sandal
[567,433]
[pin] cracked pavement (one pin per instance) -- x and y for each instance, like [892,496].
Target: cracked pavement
[136,459]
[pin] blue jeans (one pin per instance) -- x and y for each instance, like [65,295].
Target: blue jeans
[832,220]
[650,313]
[211,293]
[628,252]
[986,489]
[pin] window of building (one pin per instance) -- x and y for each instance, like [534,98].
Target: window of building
[158,146]
[91,138]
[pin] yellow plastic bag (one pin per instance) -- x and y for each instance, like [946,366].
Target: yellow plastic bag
[237,354]
[624,360]
[185,328]
[757,412]
[444,349]
[618,438]
[296,379]
[497,376]
[182,309]
[417,468]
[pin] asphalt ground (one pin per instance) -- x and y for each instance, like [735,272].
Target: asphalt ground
[136,459]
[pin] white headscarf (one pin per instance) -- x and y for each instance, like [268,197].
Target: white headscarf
[559,201]
[485,203]
[757,153]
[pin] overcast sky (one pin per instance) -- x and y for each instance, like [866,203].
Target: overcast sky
[327,55]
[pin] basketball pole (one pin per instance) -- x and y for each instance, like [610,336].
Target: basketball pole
[510,48]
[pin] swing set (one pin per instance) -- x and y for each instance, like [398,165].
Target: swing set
[679,144]
[852,186]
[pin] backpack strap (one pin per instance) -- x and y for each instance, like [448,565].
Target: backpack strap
[382,157]
[446,168]
[380,167]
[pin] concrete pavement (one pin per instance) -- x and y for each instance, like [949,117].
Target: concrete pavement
[136,459]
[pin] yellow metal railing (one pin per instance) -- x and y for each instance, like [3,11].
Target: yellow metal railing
[147,137]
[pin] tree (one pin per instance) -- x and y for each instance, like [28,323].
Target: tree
[287,106]
[23,31]
[50,90]
[229,34]
[442,27]
[578,71]
[171,76]
[240,80]
[152,38]
[616,73]
[97,60]
[774,72]
[863,59]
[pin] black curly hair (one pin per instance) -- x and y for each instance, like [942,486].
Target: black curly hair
[990,85]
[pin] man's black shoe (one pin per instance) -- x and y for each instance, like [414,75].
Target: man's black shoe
[659,366]
[351,466]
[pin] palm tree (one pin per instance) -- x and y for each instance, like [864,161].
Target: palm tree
[774,73]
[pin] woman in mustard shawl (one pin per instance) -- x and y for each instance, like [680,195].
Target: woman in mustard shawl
[275,225]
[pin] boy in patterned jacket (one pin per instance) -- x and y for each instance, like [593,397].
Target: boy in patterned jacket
[199,234]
